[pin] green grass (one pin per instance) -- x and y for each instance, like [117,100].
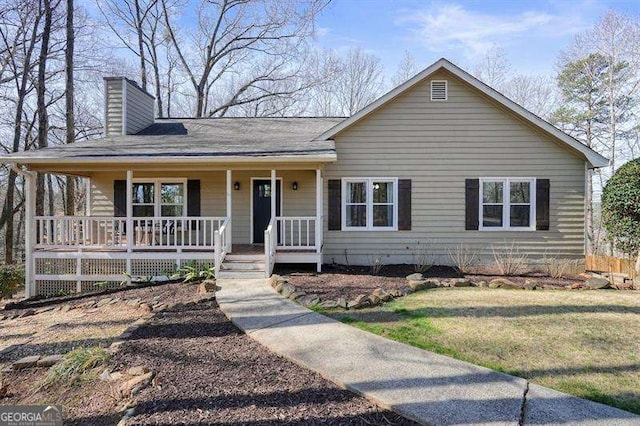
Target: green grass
[585,343]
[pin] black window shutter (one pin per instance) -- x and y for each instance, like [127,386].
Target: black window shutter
[404,204]
[542,204]
[193,197]
[119,198]
[472,194]
[335,204]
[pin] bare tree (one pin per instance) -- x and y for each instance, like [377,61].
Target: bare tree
[407,68]
[360,81]
[230,35]
[494,69]
[69,113]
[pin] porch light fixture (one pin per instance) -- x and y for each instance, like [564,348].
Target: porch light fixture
[294,186]
[236,186]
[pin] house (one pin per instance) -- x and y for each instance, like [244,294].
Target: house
[439,161]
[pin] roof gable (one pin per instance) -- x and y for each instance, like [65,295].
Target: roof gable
[592,157]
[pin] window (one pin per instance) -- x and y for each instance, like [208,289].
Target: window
[159,198]
[369,204]
[438,90]
[507,204]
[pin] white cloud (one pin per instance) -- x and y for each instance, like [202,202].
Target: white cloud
[451,27]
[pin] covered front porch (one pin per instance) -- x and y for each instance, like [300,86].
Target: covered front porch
[146,221]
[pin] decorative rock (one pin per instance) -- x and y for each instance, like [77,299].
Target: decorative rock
[4,388]
[138,370]
[26,362]
[460,282]
[382,294]
[481,284]
[342,302]
[396,292]
[530,284]
[133,302]
[503,283]
[133,386]
[287,289]
[415,277]
[359,302]
[576,286]
[145,307]
[66,308]
[374,300]
[48,360]
[297,294]
[105,376]
[328,304]
[597,283]
[309,300]
[278,287]
[423,284]
[206,286]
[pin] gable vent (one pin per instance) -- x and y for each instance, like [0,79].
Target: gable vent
[438,90]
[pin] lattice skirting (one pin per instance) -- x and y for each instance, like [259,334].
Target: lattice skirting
[80,273]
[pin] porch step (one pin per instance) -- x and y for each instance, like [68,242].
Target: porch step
[244,257]
[241,274]
[243,265]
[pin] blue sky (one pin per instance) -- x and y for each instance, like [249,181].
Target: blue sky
[532,33]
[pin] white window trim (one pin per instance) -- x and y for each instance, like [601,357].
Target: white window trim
[157,204]
[506,210]
[446,90]
[369,203]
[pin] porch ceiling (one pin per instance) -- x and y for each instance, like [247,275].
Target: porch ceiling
[188,141]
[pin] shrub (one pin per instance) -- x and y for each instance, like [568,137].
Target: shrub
[11,279]
[422,258]
[75,366]
[556,267]
[621,208]
[376,264]
[509,260]
[190,273]
[463,258]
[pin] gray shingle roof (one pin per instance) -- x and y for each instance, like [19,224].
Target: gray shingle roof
[208,137]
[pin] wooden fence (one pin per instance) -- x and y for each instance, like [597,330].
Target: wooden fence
[616,265]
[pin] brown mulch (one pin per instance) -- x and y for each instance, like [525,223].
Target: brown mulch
[207,371]
[337,281]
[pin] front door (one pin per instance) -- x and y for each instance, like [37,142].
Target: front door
[262,207]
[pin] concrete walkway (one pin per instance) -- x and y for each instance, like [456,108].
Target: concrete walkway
[420,385]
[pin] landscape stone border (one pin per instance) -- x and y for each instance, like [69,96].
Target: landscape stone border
[418,282]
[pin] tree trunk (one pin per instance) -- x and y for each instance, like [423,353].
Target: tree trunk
[43,119]
[70,119]
[143,69]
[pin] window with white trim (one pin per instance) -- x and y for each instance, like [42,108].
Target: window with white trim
[369,204]
[507,204]
[159,198]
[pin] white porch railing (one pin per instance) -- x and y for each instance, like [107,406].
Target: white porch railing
[174,233]
[270,243]
[296,232]
[222,240]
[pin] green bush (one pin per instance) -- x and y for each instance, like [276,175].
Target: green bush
[75,366]
[621,207]
[11,279]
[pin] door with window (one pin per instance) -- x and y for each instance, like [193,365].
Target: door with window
[262,207]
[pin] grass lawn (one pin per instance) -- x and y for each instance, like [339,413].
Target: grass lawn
[585,343]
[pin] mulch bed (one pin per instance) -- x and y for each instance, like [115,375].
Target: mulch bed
[208,371]
[349,281]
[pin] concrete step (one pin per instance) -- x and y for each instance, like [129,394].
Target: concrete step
[244,257]
[241,274]
[242,265]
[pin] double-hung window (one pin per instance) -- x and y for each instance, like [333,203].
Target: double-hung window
[156,197]
[370,204]
[507,204]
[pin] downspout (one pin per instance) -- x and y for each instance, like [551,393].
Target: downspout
[29,234]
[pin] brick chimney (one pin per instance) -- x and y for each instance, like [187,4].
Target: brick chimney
[127,108]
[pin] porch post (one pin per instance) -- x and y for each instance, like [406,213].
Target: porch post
[30,234]
[87,201]
[130,229]
[319,214]
[229,209]
[273,193]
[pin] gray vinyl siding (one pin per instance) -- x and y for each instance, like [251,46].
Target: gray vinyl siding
[113,106]
[438,145]
[213,194]
[140,109]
